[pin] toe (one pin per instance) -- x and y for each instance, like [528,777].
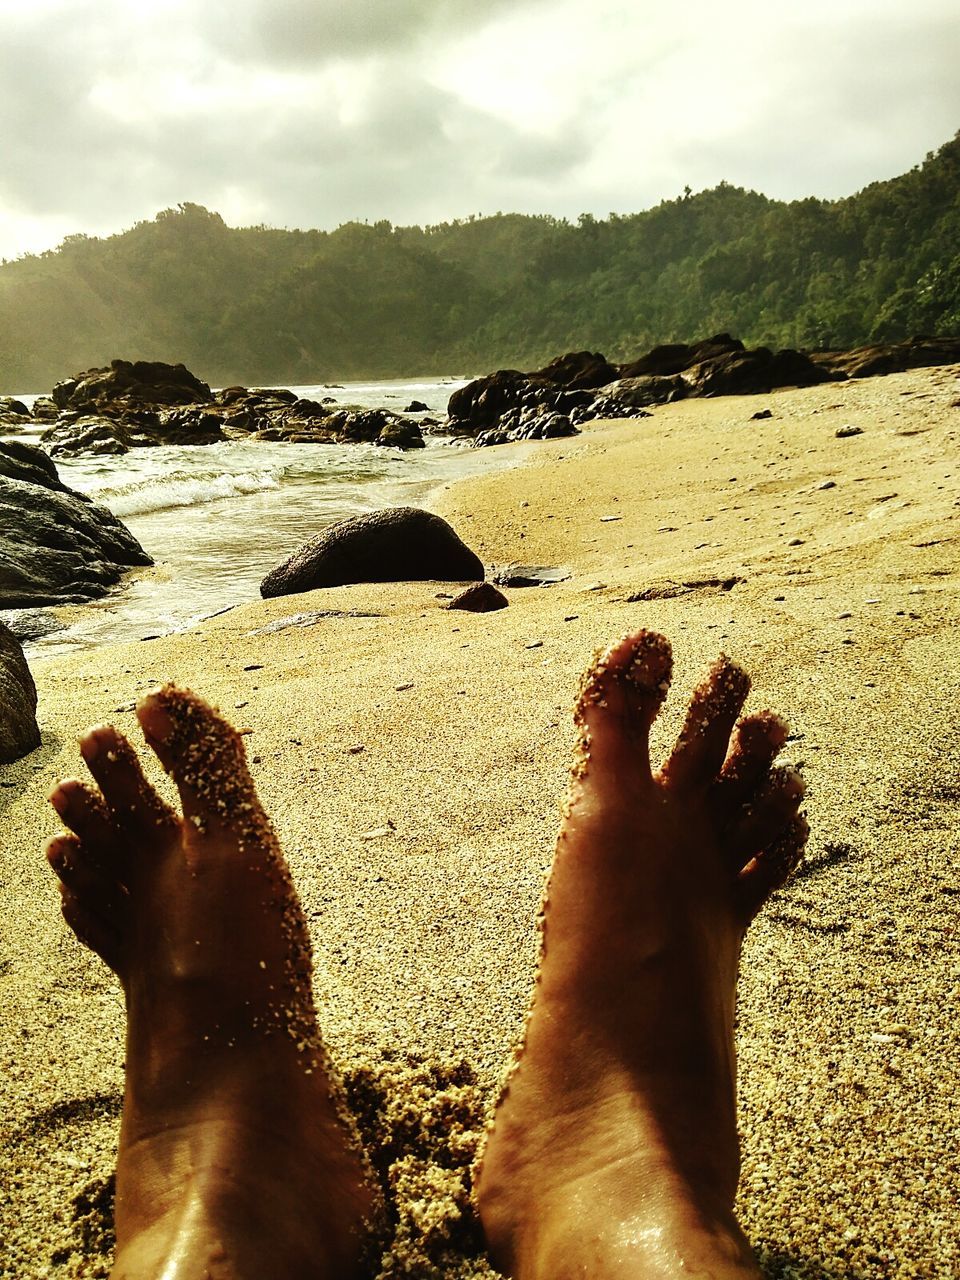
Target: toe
[116,768]
[83,810]
[702,745]
[760,824]
[91,929]
[757,742]
[206,759]
[770,869]
[88,882]
[619,698]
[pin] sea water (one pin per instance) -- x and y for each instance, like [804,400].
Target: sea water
[216,518]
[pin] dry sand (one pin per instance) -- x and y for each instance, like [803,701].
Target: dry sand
[420,858]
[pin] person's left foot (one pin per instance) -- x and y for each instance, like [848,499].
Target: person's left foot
[236,1158]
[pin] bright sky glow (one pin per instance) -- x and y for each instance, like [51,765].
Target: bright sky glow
[312,112]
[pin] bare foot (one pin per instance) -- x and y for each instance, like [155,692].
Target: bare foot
[614,1148]
[234,1158]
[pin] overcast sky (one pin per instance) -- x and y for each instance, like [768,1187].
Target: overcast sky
[309,113]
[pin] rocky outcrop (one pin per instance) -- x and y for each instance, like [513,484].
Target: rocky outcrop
[56,547]
[674,357]
[582,385]
[548,403]
[577,370]
[126,384]
[398,544]
[482,403]
[19,733]
[890,357]
[756,372]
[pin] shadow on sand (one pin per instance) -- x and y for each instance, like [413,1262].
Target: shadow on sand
[16,777]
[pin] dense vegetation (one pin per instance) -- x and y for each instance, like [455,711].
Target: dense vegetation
[261,305]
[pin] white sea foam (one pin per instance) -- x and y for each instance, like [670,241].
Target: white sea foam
[180,489]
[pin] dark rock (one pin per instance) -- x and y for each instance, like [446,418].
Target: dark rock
[417,406]
[645,390]
[128,384]
[19,733]
[482,597]
[195,424]
[891,357]
[672,358]
[86,435]
[363,426]
[13,411]
[754,372]
[576,369]
[843,433]
[481,403]
[529,575]
[283,394]
[44,410]
[604,406]
[399,544]
[531,425]
[56,546]
[761,415]
[567,401]
[304,408]
[28,463]
[401,435]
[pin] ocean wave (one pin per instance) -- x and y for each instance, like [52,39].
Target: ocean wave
[179,489]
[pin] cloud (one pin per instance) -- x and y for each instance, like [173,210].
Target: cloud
[306,112]
[298,33]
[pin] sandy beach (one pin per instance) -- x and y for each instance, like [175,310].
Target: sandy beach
[414,760]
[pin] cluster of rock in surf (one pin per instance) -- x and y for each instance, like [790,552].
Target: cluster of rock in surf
[136,404]
[141,403]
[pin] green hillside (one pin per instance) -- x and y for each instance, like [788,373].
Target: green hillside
[257,305]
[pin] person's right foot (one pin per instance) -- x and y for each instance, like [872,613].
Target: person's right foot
[235,1158]
[614,1149]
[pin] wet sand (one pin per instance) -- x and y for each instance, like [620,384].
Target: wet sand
[414,763]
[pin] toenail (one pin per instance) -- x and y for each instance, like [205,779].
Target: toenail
[56,857]
[154,717]
[60,800]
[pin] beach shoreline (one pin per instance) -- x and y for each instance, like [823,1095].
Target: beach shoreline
[418,801]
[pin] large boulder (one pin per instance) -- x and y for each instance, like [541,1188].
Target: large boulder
[577,369]
[483,402]
[86,435]
[753,372]
[56,547]
[19,733]
[673,357]
[891,357]
[126,384]
[641,392]
[398,544]
[13,413]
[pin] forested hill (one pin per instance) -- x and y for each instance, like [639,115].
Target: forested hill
[258,305]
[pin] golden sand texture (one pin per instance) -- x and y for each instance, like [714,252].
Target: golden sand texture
[414,766]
